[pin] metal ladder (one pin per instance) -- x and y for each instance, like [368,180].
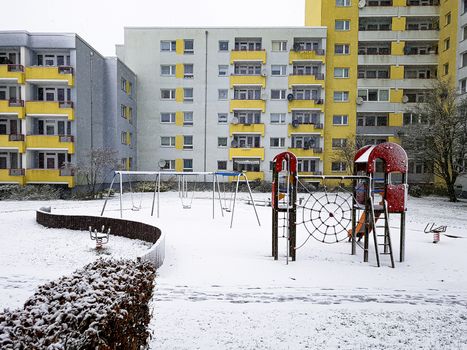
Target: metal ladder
[385,236]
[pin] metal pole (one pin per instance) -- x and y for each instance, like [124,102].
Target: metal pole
[154,196]
[108,194]
[235,197]
[251,197]
[219,194]
[121,193]
[402,239]
[158,193]
[213,193]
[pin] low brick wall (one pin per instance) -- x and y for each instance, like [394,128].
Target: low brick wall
[118,227]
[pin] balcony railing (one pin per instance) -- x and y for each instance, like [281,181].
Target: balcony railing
[15,68]
[16,137]
[67,172]
[15,102]
[318,52]
[422,2]
[65,70]
[316,76]
[375,3]
[16,172]
[374,51]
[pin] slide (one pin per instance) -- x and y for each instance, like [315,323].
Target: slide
[360,229]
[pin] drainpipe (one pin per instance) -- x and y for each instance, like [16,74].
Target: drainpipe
[205,104]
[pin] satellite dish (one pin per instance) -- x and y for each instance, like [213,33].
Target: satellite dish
[264,72]
[290,97]
[295,123]
[361,4]
[359,100]
[296,47]
[162,163]
[405,99]
[235,120]
[234,144]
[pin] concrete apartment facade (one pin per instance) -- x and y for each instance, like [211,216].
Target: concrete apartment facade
[228,98]
[54,106]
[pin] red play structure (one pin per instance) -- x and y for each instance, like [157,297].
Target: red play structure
[379,188]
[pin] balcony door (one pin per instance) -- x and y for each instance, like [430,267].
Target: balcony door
[3,160]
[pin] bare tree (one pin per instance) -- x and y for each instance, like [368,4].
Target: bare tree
[96,164]
[440,136]
[346,151]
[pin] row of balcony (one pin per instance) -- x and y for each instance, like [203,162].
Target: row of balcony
[37,176]
[53,142]
[258,152]
[259,80]
[260,56]
[20,74]
[293,128]
[21,108]
[261,105]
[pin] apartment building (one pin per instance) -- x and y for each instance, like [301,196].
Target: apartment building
[55,92]
[385,54]
[228,98]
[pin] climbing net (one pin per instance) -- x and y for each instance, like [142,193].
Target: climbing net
[326,214]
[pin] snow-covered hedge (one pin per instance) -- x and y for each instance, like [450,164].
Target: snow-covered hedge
[103,305]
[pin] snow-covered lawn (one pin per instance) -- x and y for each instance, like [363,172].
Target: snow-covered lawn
[219,288]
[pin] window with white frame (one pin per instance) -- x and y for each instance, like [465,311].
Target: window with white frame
[413,118]
[168,94]
[277,142]
[221,165]
[342,49]
[278,69]
[248,117]
[306,44]
[188,94]
[187,142]
[305,117]
[123,137]
[279,45]
[306,165]
[169,164]
[341,72]
[188,71]
[342,3]
[340,119]
[188,46]
[464,59]
[223,45]
[247,93]
[339,143]
[247,141]
[278,118]
[223,70]
[306,69]
[123,111]
[247,69]
[188,165]
[222,142]
[168,45]
[372,119]
[168,70]
[167,117]
[463,86]
[53,59]
[187,118]
[123,84]
[338,166]
[222,118]
[246,164]
[278,94]
[341,96]
[167,141]
[222,94]
[374,95]
[342,25]
[305,141]
[305,94]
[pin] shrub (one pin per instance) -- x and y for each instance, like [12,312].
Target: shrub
[104,305]
[32,192]
[415,191]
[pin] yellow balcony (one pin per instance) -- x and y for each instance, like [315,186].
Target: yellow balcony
[306,104]
[50,108]
[12,141]
[247,128]
[312,152]
[305,129]
[248,56]
[15,176]
[254,175]
[12,72]
[12,107]
[51,142]
[248,104]
[306,80]
[306,56]
[49,176]
[246,153]
[247,80]
[46,74]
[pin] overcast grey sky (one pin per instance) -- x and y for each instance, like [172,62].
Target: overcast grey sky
[101,22]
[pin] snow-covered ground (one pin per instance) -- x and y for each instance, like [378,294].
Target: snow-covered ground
[219,288]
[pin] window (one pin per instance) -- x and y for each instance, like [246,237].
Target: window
[188,46]
[277,142]
[45,60]
[278,70]
[223,45]
[168,118]
[279,45]
[222,142]
[372,120]
[248,117]
[278,94]
[188,165]
[123,137]
[222,94]
[341,96]
[222,118]
[338,166]
[187,118]
[446,68]
[413,118]
[123,84]
[278,118]
[246,164]
[341,72]
[342,25]
[188,94]
[221,165]
[247,69]
[123,111]
[447,18]
[168,94]
[168,46]
[246,141]
[247,93]
[169,164]
[342,3]
[223,70]
[130,89]
[447,43]
[188,71]
[305,142]
[187,142]
[168,70]
[374,95]
[306,94]
[305,117]
[306,165]
[463,86]
[342,49]
[464,59]
[339,143]
[340,119]
[464,31]
[167,141]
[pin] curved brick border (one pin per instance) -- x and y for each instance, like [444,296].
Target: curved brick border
[119,227]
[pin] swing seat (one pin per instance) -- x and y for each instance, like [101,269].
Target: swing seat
[186,206]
